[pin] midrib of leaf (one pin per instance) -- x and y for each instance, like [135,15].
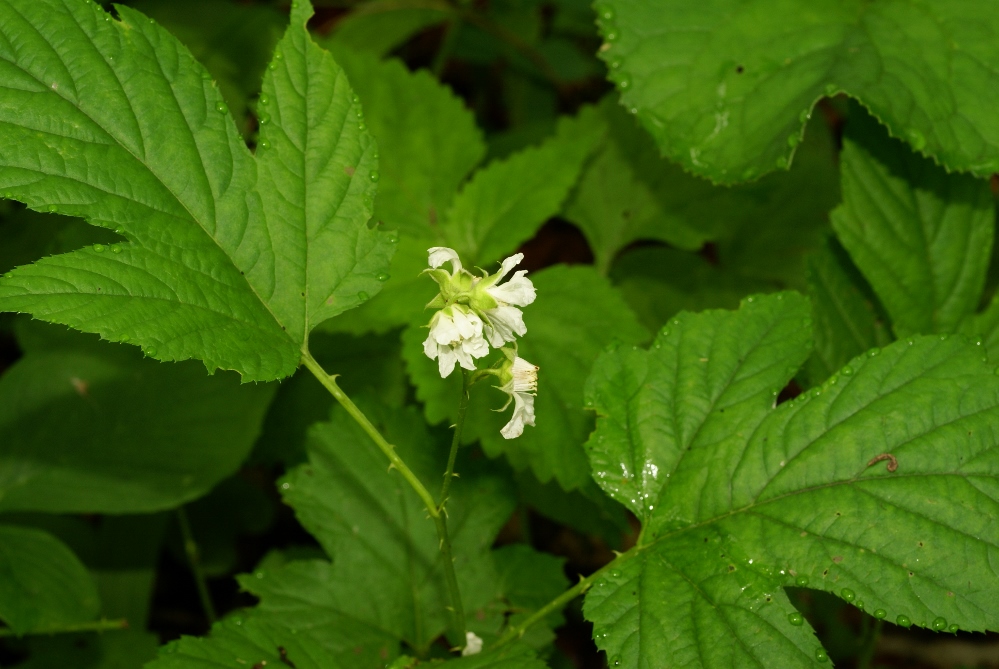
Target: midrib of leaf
[122,144]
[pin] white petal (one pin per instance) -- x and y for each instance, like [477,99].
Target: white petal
[443,329]
[493,335]
[523,414]
[518,291]
[525,376]
[464,358]
[507,322]
[442,254]
[468,325]
[446,360]
[508,265]
[475,347]
[430,347]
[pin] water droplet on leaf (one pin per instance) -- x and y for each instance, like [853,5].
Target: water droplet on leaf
[615,661]
[116,248]
[847,371]
[873,352]
[99,248]
[374,176]
[53,208]
[880,614]
[953,628]
[221,108]
[796,619]
[821,655]
[615,573]
[264,119]
[382,276]
[362,296]
[263,99]
[801,581]
[916,139]
[611,35]
[793,140]
[860,605]
[939,624]
[151,351]
[903,620]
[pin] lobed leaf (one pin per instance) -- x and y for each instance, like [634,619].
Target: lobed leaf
[725,86]
[877,487]
[115,122]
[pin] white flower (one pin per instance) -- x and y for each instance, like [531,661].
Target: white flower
[439,255]
[455,337]
[521,387]
[504,322]
[473,644]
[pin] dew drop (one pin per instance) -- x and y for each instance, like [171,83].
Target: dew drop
[953,629]
[847,371]
[374,176]
[880,614]
[116,248]
[796,619]
[264,144]
[99,248]
[356,100]
[278,56]
[615,661]
[615,573]
[748,174]
[393,238]
[801,581]
[382,276]
[119,231]
[782,163]
[939,624]
[263,99]
[665,332]
[221,108]
[615,65]
[793,140]
[272,66]
[903,620]
[611,35]
[361,126]
[860,605]
[124,339]
[873,352]
[606,12]
[624,82]
[264,119]
[821,655]
[830,89]
[362,296]
[53,209]
[151,351]
[804,115]
[847,594]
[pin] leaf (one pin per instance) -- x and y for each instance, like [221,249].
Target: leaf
[922,237]
[123,649]
[131,436]
[44,586]
[846,320]
[120,126]
[376,531]
[238,642]
[725,87]
[576,315]
[506,202]
[428,144]
[25,235]
[876,487]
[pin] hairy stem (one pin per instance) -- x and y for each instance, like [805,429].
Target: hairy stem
[436,511]
[194,560]
[102,625]
[455,441]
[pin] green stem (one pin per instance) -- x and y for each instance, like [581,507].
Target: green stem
[194,560]
[870,645]
[560,602]
[447,46]
[102,625]
[436,512]
[455,441]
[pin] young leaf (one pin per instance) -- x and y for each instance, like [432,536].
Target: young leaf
[921,236]
[131,436]
[119,125]
[576,315]
[862,488]
[44,586]
[725,86]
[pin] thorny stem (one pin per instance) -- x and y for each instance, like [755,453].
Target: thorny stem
[436,513]
[102,625]
[191,549]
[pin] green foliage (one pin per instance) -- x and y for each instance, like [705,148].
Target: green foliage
[43,586]
[176,180]
[739,499]
[726,87]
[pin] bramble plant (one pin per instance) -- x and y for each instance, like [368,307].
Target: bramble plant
[773,395]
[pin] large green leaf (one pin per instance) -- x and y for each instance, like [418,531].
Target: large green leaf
[922,237]
[43,586]
[115,122]
[725,85]
[385,583]
[131,435]
[576,315]
[380,26]
[878,487]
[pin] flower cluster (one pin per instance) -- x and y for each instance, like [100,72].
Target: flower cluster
[475,313]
